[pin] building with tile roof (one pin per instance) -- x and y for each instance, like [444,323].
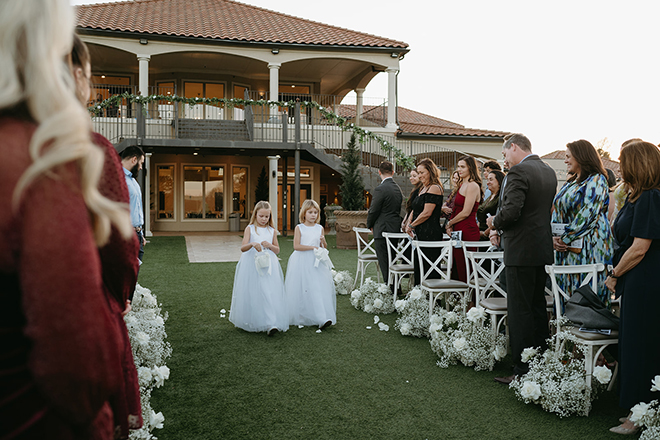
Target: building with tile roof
[204,161]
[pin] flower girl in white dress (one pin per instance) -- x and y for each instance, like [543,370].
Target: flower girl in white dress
[310,289]
[257,301]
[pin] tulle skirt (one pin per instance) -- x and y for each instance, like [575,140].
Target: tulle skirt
[258,301]
[310,291]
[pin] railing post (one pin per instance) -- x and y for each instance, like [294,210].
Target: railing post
[141,124]
[285,126]
[296,206]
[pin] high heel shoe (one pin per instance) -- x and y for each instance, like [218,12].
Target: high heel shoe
[624,431]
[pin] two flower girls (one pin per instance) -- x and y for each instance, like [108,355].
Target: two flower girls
[261,301]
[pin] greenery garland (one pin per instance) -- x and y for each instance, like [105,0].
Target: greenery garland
[400,158]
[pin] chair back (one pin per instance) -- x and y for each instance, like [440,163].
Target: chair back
[486,269]
[441,265]
[399,248]
[588,273]
[473,246]
[364,247]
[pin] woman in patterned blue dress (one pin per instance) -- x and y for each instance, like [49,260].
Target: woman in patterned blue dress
[582,205]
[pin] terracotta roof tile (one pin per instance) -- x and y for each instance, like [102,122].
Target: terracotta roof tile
[220,20]
[412,122]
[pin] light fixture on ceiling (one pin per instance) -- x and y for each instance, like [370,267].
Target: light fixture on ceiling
[275,51]
[102,76]
[394,55]
[144,41]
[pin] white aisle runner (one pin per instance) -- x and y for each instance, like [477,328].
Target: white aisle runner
[213,248]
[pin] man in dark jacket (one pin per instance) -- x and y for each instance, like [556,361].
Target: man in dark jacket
[523,225]
[385,213]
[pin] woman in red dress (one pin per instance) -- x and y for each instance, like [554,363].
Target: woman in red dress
[464,216]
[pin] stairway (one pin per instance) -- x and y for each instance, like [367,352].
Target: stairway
[213,129]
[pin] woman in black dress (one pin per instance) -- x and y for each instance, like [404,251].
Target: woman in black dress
[417,185]
[489,206]
[426,212]
[634,277]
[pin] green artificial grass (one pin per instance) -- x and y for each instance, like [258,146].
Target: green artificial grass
[347,382]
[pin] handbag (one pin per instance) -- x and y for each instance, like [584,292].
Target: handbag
[587,310]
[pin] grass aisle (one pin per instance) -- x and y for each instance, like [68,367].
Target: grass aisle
[344,383]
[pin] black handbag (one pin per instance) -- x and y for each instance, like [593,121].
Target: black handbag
[587,310]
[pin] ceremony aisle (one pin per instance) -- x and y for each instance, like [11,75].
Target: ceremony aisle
[347,382]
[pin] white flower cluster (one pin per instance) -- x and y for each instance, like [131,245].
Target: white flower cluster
[414,314]
[373,297]
[465,338]
[146,330]
[647,415]
[556,378]
[343,281]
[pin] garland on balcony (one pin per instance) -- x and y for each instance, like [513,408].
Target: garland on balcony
[400,158]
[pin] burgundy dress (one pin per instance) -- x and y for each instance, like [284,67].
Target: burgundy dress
[470,233]
[119,262]
[60,350]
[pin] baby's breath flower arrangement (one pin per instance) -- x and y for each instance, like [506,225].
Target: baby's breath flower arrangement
[343,281]
[373,297]
[146,330]
[556,378]
[468,339]
[414,314]
[647,415]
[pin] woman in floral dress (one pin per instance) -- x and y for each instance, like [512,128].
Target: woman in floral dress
[581,205]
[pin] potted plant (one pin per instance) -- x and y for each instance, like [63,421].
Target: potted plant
[352,198]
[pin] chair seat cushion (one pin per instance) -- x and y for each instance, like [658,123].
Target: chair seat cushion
[401,268]
[592,336]
[444,284]
[368,257]
[496,304]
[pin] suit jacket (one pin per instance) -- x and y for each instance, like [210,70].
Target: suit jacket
[385,211]
[525,213]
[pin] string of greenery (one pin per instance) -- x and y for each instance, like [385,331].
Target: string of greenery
[399,157]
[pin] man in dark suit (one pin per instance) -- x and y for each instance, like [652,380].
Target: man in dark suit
[385,213]
[523,224]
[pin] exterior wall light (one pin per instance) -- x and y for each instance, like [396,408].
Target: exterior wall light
[144,41]
[275,51]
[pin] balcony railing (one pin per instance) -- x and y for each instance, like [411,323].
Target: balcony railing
[255,121]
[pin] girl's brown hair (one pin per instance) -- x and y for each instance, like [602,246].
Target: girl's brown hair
[475,176]
[587,157]
[434,174]
[262,205]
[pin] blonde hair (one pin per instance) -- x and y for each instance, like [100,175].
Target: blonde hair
[262,205]
[35,38]
[306,206]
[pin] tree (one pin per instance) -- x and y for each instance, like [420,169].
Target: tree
[602,147]
[352,187]
[261,191]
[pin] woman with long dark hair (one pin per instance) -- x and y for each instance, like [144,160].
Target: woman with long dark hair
[580,214]
[417,185]
[494,183]
[633,278]
[464,218]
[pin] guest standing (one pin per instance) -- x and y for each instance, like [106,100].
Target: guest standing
[524,220]
[494,181]
[582,205]
[132,159]
[464,218]
[417,185]
[634,276]
[448,206]
[425,225]
[385,214]
[490,166]
[60,357]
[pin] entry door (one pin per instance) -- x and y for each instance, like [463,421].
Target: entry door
[292,218]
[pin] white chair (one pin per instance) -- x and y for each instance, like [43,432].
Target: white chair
[441,266]
[486,268]
[366,254]
[592,341]
[474,246]
[399,257]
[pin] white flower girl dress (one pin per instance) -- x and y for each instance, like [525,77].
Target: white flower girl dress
[310,288]
[258,302]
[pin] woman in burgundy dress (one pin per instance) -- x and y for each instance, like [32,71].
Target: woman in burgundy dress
[464,216]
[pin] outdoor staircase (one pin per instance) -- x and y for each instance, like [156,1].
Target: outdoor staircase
[213,129]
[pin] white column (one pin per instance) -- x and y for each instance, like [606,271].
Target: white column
[391,98]
[272,186]
[274,85]
[359,93]
[144,74]
[147,195]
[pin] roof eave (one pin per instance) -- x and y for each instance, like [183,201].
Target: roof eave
[223,42]
[489,137]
